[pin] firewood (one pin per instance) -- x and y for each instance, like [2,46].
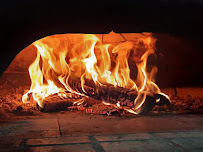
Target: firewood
[95,93]
[106,92]
[113,95]
[58,102]
[64,100]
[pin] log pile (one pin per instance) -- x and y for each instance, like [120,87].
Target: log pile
[94,93]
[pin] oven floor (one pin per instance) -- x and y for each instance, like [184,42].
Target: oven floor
[74,131]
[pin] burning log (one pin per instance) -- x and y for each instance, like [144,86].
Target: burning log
[61,101]
[58,102]
[106,92]
[118,96]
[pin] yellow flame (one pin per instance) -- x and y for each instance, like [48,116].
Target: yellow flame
[86,57]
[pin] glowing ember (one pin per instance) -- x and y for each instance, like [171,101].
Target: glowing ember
[58,59]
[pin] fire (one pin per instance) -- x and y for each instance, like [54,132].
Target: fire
[86,57]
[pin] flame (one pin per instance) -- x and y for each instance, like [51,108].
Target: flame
[85,56]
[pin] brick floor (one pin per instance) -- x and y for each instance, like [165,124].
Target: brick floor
[168,141]
[98,133]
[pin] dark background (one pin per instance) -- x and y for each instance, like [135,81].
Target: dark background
[178,25]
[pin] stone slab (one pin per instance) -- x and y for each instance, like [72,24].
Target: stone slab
[41,124]
[38,134]
[191,144]
[30,128]
[64,148]
[124,137]
[139,146]
[183,134]
[97,125]
[14,150]
[9,143]
[60,140]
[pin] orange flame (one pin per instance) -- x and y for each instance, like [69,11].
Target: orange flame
[85,56]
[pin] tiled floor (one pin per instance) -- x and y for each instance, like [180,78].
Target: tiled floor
[100,133]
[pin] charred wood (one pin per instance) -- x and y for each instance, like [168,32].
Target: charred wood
[62,101]
[113,95]
[106,92]
[57,102]
[96,93]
